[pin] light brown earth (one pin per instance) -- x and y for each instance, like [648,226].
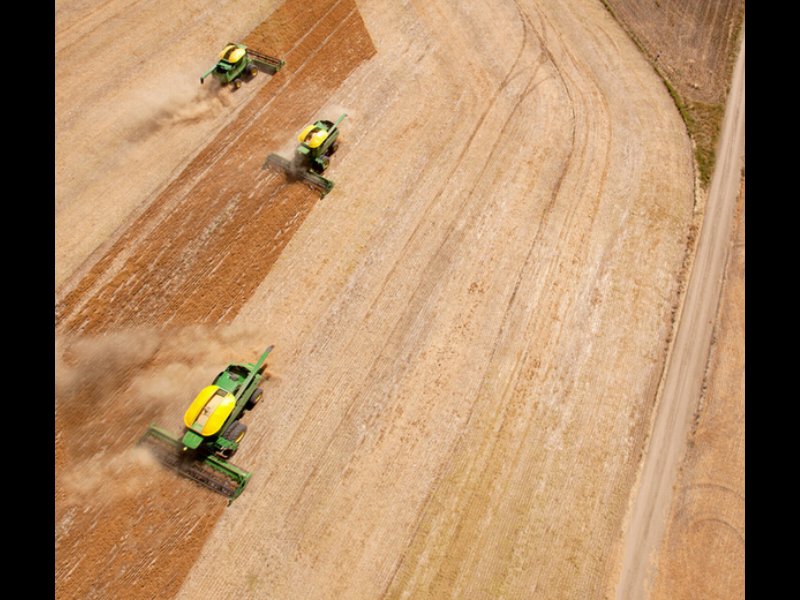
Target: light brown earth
[703,552]
[470,329]
[693,46]
[684,378]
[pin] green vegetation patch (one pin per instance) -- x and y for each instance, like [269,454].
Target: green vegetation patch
[703,122]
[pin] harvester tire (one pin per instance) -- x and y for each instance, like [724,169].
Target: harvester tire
[237,84]
[320,165]
[253,71]
[234,433]
[255,398]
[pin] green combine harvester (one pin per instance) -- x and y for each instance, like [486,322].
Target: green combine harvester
[213,430]
[237,60]
[318,142]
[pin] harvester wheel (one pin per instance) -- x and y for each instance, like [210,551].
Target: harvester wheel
[253,71]
[240,433]
[320,164]
[234,433]
[255,397]
[237,84]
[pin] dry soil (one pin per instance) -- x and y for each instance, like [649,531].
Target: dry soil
[470,330]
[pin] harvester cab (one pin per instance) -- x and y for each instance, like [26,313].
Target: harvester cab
[237,60]
[318,142]
[213,430]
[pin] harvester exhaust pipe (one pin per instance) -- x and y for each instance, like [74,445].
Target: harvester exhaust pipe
[336,124]
[206,74]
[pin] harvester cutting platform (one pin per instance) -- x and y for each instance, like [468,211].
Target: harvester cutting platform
[237,60]
[213,430]
[318,142]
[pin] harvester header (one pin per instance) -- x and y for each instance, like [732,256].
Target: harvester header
[318,142]
[237,60]
[213,430]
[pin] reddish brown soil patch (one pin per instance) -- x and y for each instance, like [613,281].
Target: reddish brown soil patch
[138,545]
[124,528]
[183,270]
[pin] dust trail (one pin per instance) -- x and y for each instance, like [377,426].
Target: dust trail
[109,388]
[94,365]
[189,359]
[111,477]
[178,103]
[98,363]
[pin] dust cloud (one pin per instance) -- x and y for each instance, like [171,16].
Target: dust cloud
[94,365]
[99,363]
[109,477]
[110,387]
[178,103]
[189,359]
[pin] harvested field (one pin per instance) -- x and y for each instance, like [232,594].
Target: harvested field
[693,45]
[707,522]
[222,200]
[683,379]
[470,330]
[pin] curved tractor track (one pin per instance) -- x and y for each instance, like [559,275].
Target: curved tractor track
[470,329]
[475,329]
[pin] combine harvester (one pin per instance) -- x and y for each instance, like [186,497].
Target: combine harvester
[213,430]
[237,60]
[318,142]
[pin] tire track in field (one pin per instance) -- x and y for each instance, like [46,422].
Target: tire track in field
[193,256]
[519,548]
[157,271]
[539,307]
[440,260]
[339,449]
[501,407]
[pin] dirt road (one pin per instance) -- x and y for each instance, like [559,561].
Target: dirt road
[686,369]
[705,532]
[470,329]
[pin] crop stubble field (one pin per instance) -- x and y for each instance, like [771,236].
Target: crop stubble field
[470,329]
[706,530]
